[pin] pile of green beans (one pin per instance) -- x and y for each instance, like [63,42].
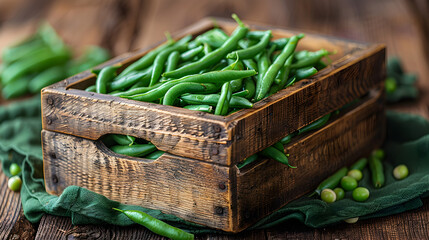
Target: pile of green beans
[41,60]
[213,72]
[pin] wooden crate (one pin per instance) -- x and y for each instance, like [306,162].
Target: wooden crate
[217,196]
[197,179]
[224,140]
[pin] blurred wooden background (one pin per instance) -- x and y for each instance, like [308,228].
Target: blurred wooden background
[121,26]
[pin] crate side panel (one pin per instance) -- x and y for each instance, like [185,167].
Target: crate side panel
[193,190]
[277,116]
[269,185]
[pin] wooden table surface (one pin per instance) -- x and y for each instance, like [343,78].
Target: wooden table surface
[122,26]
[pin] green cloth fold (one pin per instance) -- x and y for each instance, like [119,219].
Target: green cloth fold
[407,142]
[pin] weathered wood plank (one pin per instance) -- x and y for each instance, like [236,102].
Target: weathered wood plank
[13,224]
[269,185]
[187,188]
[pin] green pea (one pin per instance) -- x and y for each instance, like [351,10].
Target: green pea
[390,85]
[348,183]
[339,192]
[328,195]
[378,153]
[360,194]
[14,183]
[400,172]
[14,169]
[351,220]
[356,174]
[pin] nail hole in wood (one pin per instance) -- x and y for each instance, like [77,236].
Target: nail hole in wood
[54,179]
[222,186]
[53,155]
[219,210]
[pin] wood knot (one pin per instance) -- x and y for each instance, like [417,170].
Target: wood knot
[215,151]
[54,179]
[219,210]
[49,121]
[50,101]
[52,155]
[217,129]
[222,186]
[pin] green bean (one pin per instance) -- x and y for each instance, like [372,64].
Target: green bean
[215,38]
[16,88]
[283,77]
[236,84]
[91,57]
[155,155]
[207,49]
[136,91]
[315,125]
[332,181]
[91,88]
[136,150]
[106,74]
[130,79]
[211,58]
[36,63]
[172,61]
[19,53]
[279,146]
[212,99]
[252,51]
[123,139]
[377,172]
[263,65]
[274,153]
[201,107]
[210,77]
[311,59]
[247,161]
[242,93]
[190,54]
[160,60]
[287,139]
[360,164]
[46,78]
[222,105]
[187,87]
[271,73]
[250,64]
[156,226]
[249,85]
[279,43]
[305,73]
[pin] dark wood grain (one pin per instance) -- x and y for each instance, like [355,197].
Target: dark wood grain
[13,224]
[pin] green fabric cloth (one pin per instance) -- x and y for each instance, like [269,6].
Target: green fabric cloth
[407,142]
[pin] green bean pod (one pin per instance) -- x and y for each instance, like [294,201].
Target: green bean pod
[201,108]
[310,60]
[274,153]
[287,139]
[106,74]
[253,50]
[207,49]
[172,61]
[46,78]
[222,105]
[190,54]
[304,73]
[214,38]
[360,164]
[272,71]
[160,60]
[283,77]
[211,58]
[16,88]
[157,226]
[210,77]
[187,87]
[123,139]
[279,146]
[279,43]
[242,93]
[213,99]
[247,161]
[332,181]
[136,150]
[377,172]
[155,155]
[315,125]
[130,79]
[36,63]
[91,88]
